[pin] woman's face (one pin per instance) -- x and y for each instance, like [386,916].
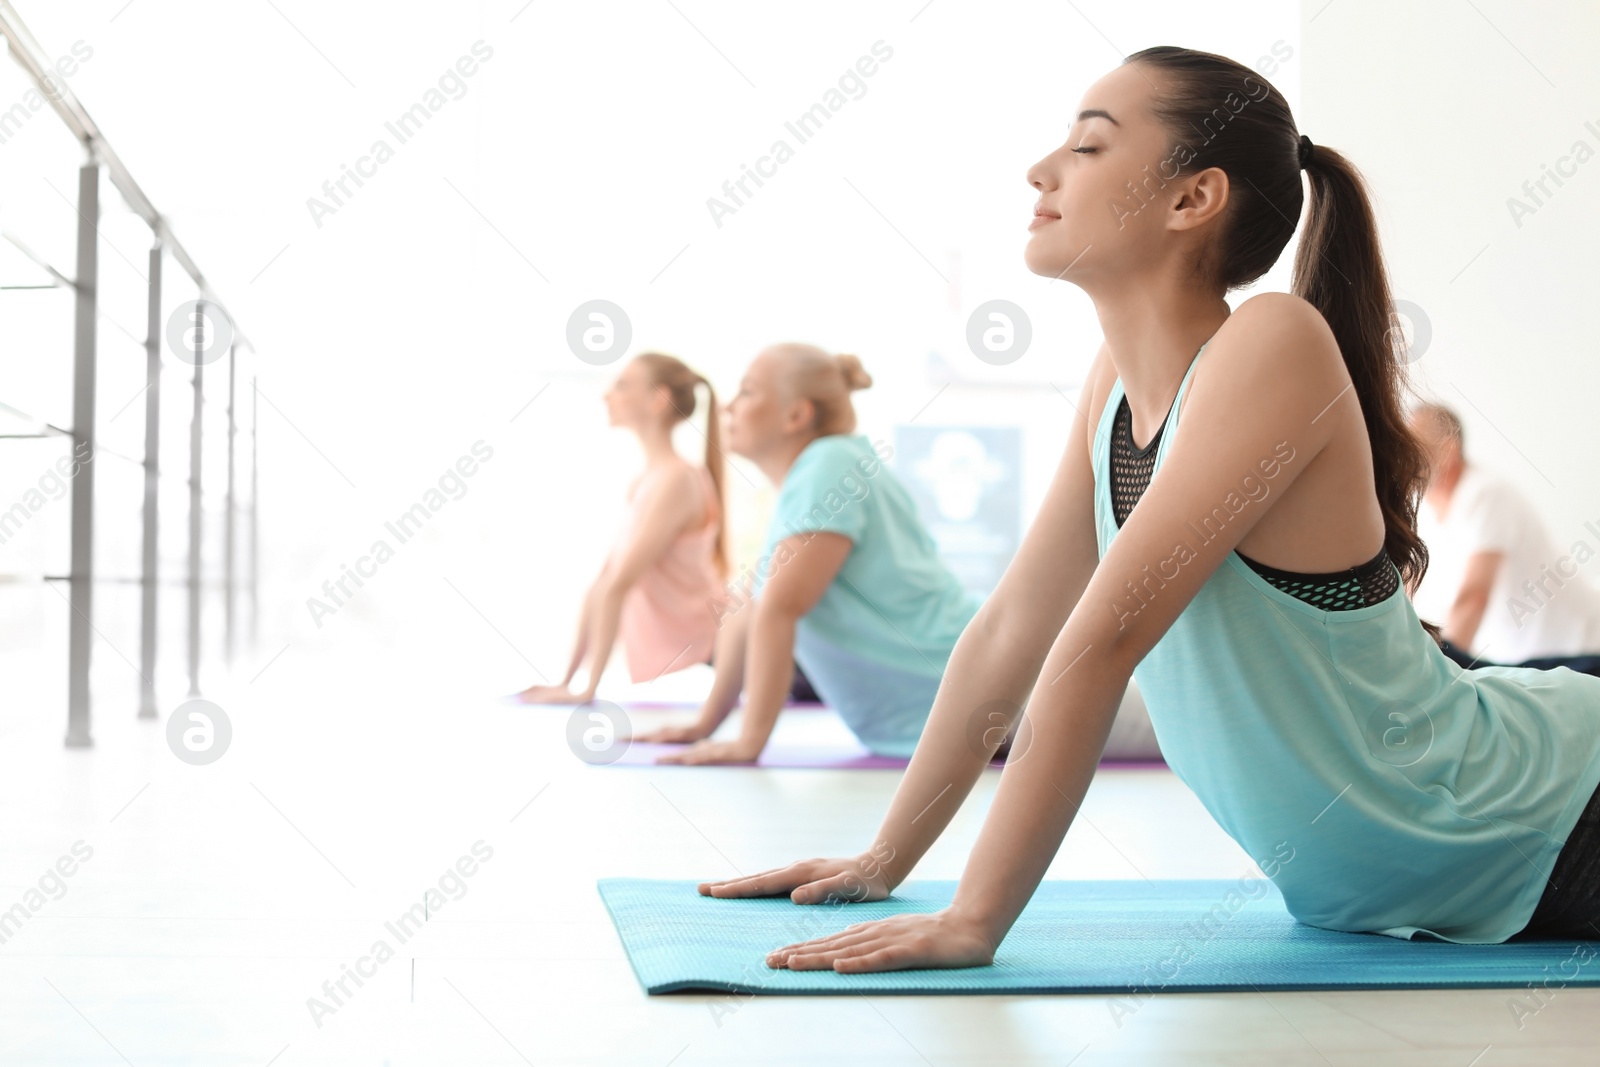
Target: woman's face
[1105,196]
[630,396]
[753,419]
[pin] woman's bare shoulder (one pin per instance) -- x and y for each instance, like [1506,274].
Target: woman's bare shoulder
[671,476]
[1267,321]
[1273,346]
[1273,363]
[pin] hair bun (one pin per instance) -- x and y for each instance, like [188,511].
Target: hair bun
[855,375]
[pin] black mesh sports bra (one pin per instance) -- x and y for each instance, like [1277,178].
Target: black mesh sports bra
[1366,583]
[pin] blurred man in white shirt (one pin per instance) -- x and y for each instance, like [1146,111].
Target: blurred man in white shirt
[1498,585]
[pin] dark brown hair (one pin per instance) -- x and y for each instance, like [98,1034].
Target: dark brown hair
[1219,113]
[673,375]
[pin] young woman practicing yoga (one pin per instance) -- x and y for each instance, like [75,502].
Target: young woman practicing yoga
[849,583]
[661,587]
[1255,591]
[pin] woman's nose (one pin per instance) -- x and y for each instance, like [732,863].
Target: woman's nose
[1039,175]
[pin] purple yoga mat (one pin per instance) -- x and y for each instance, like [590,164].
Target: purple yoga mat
[654,705]
[828,757]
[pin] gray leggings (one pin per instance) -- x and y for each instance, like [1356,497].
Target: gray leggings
[1570,906]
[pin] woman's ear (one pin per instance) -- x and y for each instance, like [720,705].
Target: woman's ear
[1205,199]
[800,416]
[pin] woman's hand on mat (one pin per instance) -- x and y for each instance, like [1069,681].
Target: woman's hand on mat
[553,694]
[820,881]
[675,735]
[936,939]
[735,751]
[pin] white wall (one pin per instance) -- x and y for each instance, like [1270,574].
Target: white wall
[1449,109]
[406,326]
[414,321]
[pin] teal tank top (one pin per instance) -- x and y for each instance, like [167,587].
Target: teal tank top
[1379,785]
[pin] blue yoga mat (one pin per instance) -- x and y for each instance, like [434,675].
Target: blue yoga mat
[1128,937]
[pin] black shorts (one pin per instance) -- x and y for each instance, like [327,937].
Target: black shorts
[1570,906]
[800,688]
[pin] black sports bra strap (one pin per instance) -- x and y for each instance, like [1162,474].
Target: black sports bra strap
[1368,583]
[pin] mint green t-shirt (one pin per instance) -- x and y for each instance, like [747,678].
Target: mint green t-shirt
[1381,787]
[875,645]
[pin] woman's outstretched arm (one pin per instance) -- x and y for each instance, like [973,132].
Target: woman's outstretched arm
[803,567]
[667,504]
[561,692]
[1111,628]
[985,684]
[580,643]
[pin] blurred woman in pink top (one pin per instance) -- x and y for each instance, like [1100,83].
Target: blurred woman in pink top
[661,588]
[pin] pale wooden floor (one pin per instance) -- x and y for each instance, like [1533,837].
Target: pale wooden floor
[218,899]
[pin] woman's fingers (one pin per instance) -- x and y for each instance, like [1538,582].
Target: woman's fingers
[877,950]
[776,880]
[824,952]
[886,958]
[757,885]
[695,753]
[765,884]
[858,934]
[900,941]
[709,752]
[850,934]
[547,695]
[815,881]
[796,880]
[845,886]
[666,735]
